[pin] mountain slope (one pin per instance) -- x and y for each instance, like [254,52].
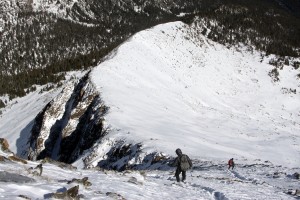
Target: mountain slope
[166,87]
[40,38]
[169,87]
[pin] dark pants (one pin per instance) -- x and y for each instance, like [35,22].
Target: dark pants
[231,166]
[177,173]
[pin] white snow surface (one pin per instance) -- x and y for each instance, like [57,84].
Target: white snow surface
[168,89]
[206,181]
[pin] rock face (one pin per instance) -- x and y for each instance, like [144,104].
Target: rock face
[68,125]
[72,125]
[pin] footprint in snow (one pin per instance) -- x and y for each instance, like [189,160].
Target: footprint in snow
[237,175]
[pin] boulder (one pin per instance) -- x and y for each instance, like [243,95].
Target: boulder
[296,175]
[37,171]
[4,145]
[71,193]
[115,195]
[84,181]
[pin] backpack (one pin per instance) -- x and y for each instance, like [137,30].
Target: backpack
[184,162]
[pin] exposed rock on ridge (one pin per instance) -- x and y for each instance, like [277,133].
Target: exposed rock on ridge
[69,124]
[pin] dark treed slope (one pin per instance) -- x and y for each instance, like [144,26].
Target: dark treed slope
[36,46]
[292,6]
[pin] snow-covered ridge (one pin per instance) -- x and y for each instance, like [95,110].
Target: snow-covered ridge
[167,88]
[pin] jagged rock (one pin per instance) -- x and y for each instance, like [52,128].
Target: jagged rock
[37,171]
[115,195]
[15,178]
[59,164]
[78,127]
[17,159]
[158,158]
[71,193]
[84,181]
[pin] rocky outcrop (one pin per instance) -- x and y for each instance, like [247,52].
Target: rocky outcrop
[84,181]
[17,159]
[4,145]
[71,193]
[68,125]
[123,156]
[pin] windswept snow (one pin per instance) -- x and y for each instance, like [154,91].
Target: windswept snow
[168,89]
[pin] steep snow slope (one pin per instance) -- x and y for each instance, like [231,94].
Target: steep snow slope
[170,87]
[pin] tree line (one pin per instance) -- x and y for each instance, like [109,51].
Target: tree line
[39,46]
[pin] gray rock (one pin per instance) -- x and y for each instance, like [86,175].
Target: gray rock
[296,175]
[115,195]
[71,193]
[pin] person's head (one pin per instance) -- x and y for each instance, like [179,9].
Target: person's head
[178,152]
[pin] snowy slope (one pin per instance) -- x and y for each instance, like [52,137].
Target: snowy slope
[168,88]
[206,181]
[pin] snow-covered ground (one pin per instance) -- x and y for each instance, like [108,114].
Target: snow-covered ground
[168,89]
[206,181]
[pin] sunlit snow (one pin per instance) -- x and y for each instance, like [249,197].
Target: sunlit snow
[169,90]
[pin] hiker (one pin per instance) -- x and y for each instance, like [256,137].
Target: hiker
[183,163]
[230,164]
